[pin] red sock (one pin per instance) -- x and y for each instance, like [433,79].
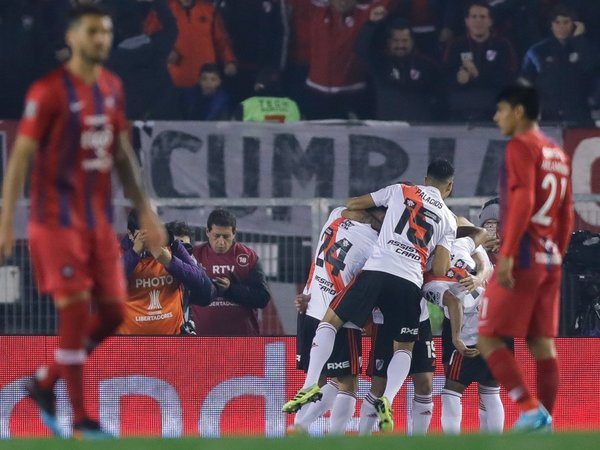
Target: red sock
[505,369]
[104,323]
[49,380]
[547,382]
[70,355]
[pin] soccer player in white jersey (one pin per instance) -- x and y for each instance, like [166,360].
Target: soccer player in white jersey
[463,368]
[347,240]
[417,225]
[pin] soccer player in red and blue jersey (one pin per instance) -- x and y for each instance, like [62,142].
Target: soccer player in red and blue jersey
[75,131]
[522,298]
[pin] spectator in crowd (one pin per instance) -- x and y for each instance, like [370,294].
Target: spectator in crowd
[156,278]
[337,78]
[425,18]
[561,68]
[237,273]
[24,54]
[212,101]
[202,39]
[406,83]
[259,32]
[268,103]
[180,231]
[478,65]
[140,56]
[296,70]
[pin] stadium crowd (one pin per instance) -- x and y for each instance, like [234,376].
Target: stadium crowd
[412,60]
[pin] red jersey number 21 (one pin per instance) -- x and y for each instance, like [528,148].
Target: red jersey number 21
[550,184]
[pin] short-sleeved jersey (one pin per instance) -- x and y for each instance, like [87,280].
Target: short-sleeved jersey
[462,264]
[342,250]
[75,125]
[154,301]
[540,167]
[417,220]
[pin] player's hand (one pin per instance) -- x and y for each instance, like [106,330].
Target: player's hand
[471,68]
[463,349]
[139,241]
[301,302]
[223,283]
[174,58]
[470,283]
[492,245]
[7,243]
[377,14]
[155,233]
[504,272]
[230,69]
[462,76]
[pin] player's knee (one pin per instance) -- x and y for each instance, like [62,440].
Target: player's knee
[423,383]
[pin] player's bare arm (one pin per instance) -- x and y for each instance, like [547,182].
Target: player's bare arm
[129,174]
[362,202]
[455,313]
[441,261]
[14,179]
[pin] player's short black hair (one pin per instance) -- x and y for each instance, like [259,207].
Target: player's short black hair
[562,10]
[479,3]
[210,68]
[396,24]
[520,94]
[133,221]
[179,228]
[440,169]
[81,10]
[221,218]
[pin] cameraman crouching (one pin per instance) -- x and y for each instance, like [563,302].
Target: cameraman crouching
[156,281]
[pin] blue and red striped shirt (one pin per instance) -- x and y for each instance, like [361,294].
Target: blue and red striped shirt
[76,125]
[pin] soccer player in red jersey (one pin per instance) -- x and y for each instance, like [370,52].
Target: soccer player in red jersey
[75,131]
[522,298]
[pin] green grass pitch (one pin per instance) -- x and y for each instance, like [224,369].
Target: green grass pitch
[556,441]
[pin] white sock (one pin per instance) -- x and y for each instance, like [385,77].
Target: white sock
[368,415]
[422,410]
[482,416]
[315,410]
[490,397]
[451,411]
[396,373]
[322,346]
[342,412]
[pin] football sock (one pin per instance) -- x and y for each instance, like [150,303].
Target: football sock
[322,346]
[482,415]
[547,382]
[317,409]
[108,317]
[422,410]
[342,412]
[368,415]
[494,409]
[505,369]
[396,373]
[451,411]
[70,354]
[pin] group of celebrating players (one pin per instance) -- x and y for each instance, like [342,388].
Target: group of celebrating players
[386,252]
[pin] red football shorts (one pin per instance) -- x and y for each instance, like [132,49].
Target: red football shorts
[68,261]
[529,309]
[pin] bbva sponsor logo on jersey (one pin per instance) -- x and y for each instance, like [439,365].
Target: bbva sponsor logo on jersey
[163,280]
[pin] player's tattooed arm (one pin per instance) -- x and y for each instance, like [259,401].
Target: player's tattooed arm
[441,261]
[14,179]
[455,312]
